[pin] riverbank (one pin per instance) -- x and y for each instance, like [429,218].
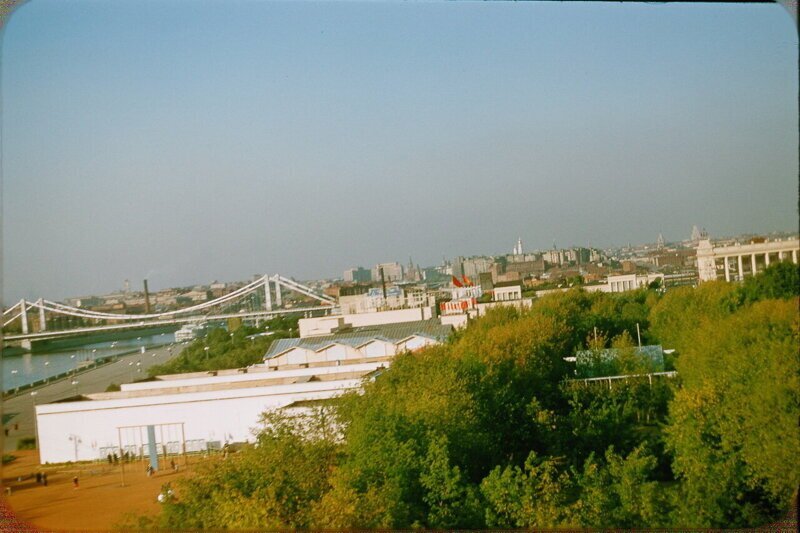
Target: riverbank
[33,368]
[96,338]
[74,373]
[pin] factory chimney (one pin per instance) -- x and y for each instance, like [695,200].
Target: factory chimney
[146,299]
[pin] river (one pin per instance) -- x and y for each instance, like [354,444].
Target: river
[19,370]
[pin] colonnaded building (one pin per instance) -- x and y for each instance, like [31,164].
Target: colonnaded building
[735,261]
[201,411]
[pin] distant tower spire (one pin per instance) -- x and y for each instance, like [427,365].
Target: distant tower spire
[660,241]
[519,246]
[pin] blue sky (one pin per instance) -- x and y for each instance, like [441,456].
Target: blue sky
[186,141]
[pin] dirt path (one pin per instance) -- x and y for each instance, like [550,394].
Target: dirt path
[98,504]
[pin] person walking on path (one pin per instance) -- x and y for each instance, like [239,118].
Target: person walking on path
[44,479]
[75,482]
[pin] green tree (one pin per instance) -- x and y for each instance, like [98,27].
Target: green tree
[676,317]
[537,495]
[733,423]
[388,428]
[620,492]
[777,281]
[272,484]
[452,501]
[227,350]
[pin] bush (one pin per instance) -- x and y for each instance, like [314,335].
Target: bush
[28,443]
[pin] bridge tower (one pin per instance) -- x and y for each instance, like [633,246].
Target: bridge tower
[42,322]
[23,309]
[278,296]
[267,294]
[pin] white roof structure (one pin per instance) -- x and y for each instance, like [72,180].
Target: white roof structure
[208,410]
[211,408]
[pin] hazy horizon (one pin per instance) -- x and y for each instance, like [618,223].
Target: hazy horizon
[187,142]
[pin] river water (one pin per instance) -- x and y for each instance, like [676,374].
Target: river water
[22,369]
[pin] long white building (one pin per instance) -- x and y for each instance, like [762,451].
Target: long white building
[205,410]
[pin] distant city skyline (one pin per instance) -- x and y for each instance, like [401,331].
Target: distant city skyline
[186,142]
[137,286]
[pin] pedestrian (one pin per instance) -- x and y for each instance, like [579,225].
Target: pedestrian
[75,482]
[110,459]
[38,478]
[173,465]
[44,479]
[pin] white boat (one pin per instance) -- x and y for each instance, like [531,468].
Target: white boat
[189,332]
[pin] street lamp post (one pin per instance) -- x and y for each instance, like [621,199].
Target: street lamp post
[75,441]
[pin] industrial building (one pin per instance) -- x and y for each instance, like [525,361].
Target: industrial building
[204,410]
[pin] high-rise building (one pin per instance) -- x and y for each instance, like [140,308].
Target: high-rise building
[357,275]
[583,255]
[554,257]
[391,271]
[474,266]
[457,268]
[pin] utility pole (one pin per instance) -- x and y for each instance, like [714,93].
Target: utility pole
[146,299]
[121,457]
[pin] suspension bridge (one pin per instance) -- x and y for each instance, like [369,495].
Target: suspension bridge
[221,308]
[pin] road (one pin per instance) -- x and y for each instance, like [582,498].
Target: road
[98,379]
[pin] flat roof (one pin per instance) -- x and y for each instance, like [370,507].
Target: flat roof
[343,374]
